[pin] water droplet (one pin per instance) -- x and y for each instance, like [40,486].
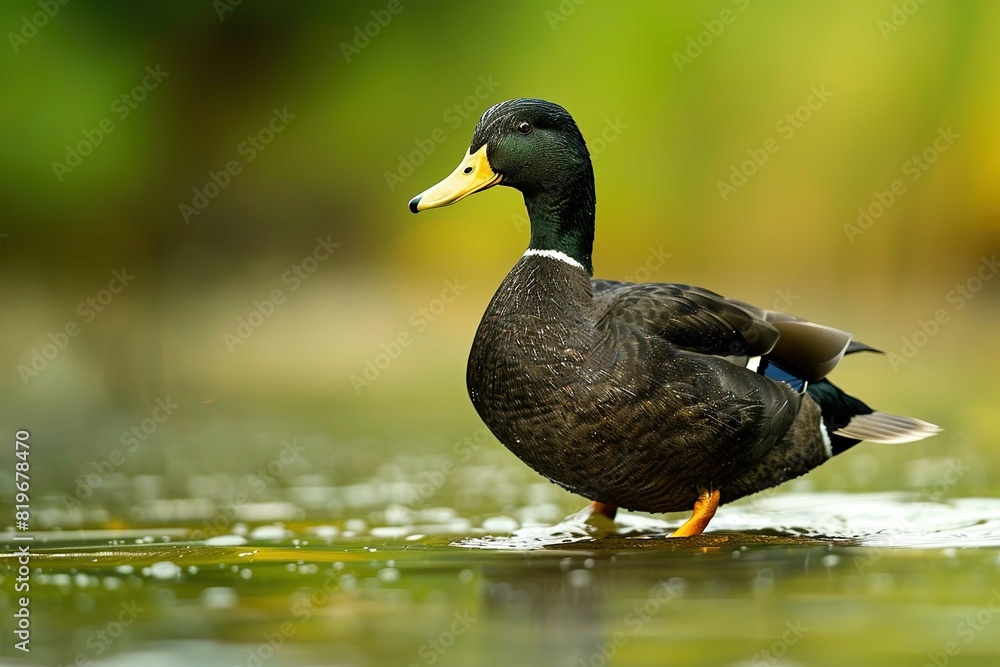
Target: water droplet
[500,524]
[389,532]
[268,532]
[356,525]
[163,569]
[388,575]
[219,597]
[226,541]
[326,532]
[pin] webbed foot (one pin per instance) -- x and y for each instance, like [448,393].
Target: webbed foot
[704,510]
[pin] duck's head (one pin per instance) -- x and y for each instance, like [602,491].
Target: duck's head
[533,146]
[527,144]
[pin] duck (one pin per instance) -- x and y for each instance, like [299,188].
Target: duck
[649,397]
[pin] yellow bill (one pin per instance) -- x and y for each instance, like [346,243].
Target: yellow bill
[472,175]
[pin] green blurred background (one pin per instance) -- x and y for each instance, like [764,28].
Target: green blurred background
[672,98]
[222,393]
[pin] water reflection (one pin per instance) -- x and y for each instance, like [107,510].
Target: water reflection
[570,612]
[788,579]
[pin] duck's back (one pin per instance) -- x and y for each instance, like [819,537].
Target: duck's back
[595,387]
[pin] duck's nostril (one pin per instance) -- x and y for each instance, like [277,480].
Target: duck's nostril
[467,170]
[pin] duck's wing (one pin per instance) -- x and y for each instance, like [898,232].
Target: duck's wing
[701,321]
[706,389]
[690,318]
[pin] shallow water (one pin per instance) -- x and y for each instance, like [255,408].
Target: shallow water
[790,579]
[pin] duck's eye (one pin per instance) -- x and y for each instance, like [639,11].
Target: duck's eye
[524,127]
[467,170]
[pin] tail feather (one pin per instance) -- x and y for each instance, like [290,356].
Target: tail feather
[887,429]
[849,421]
[858,346]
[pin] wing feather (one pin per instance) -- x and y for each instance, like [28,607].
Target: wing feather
[690,318]
[698,320]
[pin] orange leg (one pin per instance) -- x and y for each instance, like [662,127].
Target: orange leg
[704,510]
[608,511]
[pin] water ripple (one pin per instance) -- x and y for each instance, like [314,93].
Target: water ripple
[873,520]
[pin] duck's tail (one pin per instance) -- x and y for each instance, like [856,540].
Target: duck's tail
[848,420]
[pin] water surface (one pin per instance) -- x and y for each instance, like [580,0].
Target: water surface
[790,579]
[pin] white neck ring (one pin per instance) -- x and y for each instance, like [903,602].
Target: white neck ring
[554,254]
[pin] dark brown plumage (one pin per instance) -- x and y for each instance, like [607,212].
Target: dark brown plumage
[590,390]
